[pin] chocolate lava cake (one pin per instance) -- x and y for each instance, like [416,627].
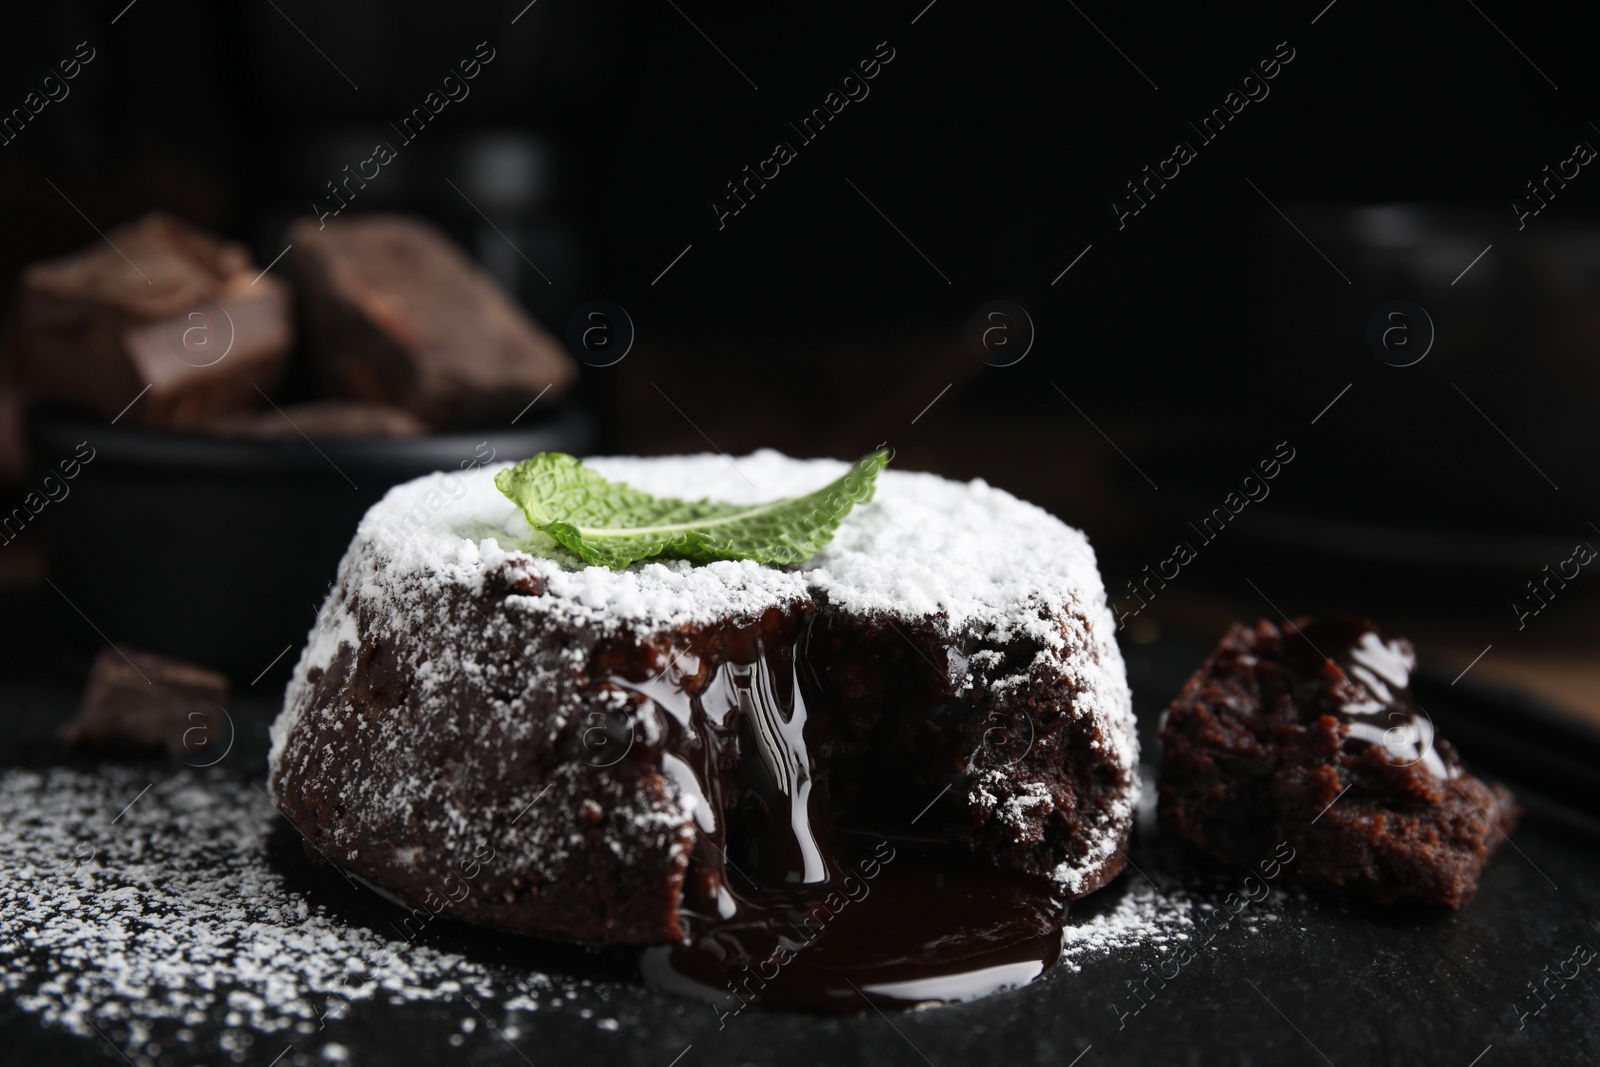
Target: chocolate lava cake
[1308,734]
[483,729]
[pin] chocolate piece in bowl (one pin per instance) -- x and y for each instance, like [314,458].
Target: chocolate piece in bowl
[160,304]
[398,315]
[1308,735]
[137,701]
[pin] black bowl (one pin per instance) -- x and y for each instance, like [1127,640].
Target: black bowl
[220,550]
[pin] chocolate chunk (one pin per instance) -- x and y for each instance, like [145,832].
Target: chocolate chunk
[324,419]
[399,316]
[159,303]
[137,701]
[1302,748]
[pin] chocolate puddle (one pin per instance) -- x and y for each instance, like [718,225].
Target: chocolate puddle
[795,897]
[902,923]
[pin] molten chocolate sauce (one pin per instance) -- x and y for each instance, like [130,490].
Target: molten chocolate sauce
[789,900]
[899,923]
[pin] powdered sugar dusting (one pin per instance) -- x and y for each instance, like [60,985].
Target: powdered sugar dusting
[1143,916]
[171,924]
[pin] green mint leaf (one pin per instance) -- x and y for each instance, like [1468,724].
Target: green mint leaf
[612,525]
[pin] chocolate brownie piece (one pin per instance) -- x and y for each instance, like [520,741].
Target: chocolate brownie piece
[399,316]
[136,701]
[615,751]
[159,303]
[1308,734]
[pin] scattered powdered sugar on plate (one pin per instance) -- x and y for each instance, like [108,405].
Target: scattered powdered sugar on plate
[142,908]
[164,920]
[1143,916]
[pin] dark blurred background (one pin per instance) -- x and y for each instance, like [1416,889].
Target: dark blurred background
[832,312]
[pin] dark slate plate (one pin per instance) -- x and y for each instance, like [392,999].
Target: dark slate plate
[1325,983]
